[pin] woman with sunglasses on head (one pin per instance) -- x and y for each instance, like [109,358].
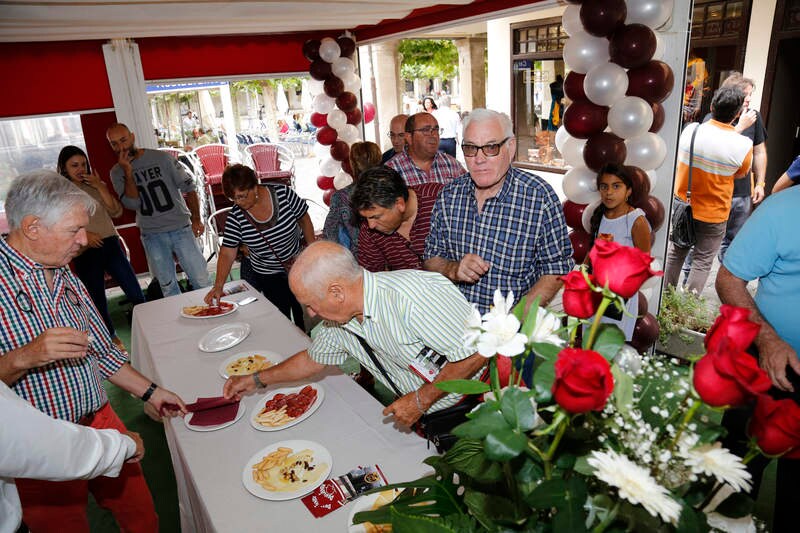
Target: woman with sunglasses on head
[273,222]
[104,252]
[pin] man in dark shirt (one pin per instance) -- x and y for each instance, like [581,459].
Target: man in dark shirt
[397,135]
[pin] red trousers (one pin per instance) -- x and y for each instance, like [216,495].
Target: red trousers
[61,505]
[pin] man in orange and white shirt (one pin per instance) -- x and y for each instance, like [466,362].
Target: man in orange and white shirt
[720,156]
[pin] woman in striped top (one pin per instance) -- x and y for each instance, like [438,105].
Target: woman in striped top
[272,221]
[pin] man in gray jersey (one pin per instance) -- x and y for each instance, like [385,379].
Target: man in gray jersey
[153,184]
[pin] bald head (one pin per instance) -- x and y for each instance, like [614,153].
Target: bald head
[121,138]
[397,129]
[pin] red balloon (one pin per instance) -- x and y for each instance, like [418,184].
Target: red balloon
[320,70]
[645,333]
[311,49]
[573,87]
[326,196]
[573,213]
[326,135]
[632,45]
[369,112]
[325,182]
[346,101]
[584,119]
[653,211]
[641,184]
[347,46]
[642,305]
[340,151]
[333,86]
[603,148]
[653,81]
[658,118]
[319,119]
[354,116]
[581,242]
[602,17]
[348,167]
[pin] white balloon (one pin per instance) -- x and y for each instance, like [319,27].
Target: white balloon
[573,152]
[651,174]
[580,185]
[323,104]
[583,51]
[329,49]
[337,119]
[571,19]
[605,83]
[561,137]
[342,180]
[586,216]
[349,133]
[330,166]
[652,13]
[315,87]
[658,55]
[343,67]
[352,84]
[646,151]
[630,117]
[321,151]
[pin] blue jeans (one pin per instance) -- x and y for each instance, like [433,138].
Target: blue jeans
[448,146]
[159,248]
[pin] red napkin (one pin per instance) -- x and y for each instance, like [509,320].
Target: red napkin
[212,411]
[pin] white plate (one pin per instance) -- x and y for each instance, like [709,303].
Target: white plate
[239,414]
[287,390]
[226,313]
[271,356]
[321,456]
[224,337]
[364,503]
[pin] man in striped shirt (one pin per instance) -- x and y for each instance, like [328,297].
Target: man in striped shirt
[422,162]
[398,314]
[396,219]
[55,350]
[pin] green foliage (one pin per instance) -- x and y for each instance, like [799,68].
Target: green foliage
[608,341]
[682,309]
[428,58]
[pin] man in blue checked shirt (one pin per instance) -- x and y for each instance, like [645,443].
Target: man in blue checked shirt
[498,227]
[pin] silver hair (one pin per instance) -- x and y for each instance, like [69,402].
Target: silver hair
[46,195]
[482,115]
[339,264]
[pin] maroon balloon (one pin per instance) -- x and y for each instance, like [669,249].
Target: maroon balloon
[320,70]
[602,148]
[653,211]
[354,117]
[347,166]
[577,2]
[333,86]
[311,49]
[325,182]
[346,101]
[573,213]
[347,46]
[601,18]
[632,45]
[326,135]
[658,118]
[326,196]
[645,333]
[642,305]
[319,119]
[653,81]
[573,87]
[340,151]
[641,184]
[581,242]
[584,119]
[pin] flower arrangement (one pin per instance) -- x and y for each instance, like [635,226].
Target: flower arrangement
[604,440]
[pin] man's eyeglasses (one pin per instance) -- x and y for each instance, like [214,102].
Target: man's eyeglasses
[489,150]
[427,131]
[393,135]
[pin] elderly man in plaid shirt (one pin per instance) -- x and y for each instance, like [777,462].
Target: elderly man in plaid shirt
[55,351]
[498,227]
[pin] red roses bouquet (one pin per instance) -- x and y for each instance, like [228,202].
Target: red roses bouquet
[601,438]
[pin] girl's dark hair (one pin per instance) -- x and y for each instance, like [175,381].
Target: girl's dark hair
[615,170]
[67,153]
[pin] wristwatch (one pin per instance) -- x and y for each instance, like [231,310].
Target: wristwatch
[149,392]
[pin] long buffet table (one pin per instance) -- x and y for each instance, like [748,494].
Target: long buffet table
[208,465]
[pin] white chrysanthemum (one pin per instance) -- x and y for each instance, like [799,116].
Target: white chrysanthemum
[501,335]
[473,328]
[714,460]
[634,484]
[546,326]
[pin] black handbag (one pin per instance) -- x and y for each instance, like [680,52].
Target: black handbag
[682,234]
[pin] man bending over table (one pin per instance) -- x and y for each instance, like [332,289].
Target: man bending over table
[397,314]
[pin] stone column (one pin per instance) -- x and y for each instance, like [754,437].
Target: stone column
[387,87]
[471,70]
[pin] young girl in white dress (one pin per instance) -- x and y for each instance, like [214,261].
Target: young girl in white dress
[616,220]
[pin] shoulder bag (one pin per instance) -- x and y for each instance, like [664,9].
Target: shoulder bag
[682,234]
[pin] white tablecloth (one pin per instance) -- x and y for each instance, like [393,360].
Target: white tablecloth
[208,465]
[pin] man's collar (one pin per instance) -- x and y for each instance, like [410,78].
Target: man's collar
[17,259]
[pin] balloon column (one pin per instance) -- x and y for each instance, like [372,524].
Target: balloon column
[616,83]
[334,85]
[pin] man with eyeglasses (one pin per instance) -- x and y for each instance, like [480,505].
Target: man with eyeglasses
[422,162]
[397,135]
[498,227]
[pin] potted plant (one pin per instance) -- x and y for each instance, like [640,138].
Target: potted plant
[683,320]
